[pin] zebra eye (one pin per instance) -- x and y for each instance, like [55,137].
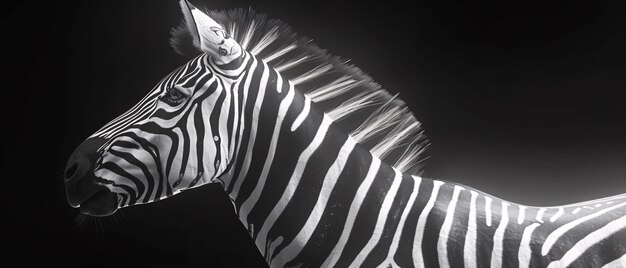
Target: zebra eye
[173,97]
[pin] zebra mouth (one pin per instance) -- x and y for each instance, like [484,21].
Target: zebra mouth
[103,203]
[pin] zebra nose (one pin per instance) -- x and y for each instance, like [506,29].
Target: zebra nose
[76,168]
[82,159]
[79,179]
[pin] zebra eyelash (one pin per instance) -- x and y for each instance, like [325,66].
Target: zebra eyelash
[173,97]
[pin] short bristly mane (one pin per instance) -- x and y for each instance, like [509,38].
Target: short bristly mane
[359,105]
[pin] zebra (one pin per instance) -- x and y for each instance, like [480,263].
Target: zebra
[271,118]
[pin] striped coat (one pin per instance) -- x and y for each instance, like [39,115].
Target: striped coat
[270,117]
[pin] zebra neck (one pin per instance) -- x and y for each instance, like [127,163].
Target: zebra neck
[298,182]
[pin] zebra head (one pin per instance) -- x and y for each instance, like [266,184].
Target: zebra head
[173,139]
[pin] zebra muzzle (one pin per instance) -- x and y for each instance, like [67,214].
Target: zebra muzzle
[81,187]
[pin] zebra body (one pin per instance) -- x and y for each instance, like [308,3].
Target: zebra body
[320,199]
[310,193]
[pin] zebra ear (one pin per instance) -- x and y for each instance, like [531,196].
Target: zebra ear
[208,35]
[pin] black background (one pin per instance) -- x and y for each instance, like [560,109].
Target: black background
[521,99]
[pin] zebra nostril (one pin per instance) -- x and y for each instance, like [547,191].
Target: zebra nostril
[76,169]
[70,171]
[81,162]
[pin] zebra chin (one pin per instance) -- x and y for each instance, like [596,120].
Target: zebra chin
[101,204]
[82,189]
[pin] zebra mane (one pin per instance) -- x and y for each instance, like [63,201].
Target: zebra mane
[378,120]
